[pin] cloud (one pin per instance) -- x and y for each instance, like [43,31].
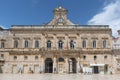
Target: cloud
[3,27]
[109,15]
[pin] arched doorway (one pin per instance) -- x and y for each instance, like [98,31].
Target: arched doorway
[48,65]
[61,65]
[72,65]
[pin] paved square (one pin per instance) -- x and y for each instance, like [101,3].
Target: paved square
[58,77]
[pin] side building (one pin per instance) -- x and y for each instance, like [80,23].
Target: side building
[57,47]
[116,55]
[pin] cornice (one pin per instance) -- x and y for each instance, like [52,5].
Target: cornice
[34,31]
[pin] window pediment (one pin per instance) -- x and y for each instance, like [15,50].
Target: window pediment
[72,37]
[16,38]
[94,38]
[104,37]
[61,37]
[27,38]
[49,37]
[37,38]
[84,38]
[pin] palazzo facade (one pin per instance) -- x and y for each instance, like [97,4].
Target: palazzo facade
[59,46]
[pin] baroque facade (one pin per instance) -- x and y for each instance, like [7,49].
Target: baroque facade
[59,46]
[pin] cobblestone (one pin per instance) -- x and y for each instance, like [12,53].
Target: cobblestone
[58,77]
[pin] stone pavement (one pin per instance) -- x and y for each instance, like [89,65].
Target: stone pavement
[58,77]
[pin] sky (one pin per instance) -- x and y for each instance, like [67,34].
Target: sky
[39,12]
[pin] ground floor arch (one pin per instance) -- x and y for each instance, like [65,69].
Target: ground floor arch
[48,65]
[72,65]
[61,65]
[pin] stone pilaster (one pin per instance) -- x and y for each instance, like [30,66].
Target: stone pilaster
[66,65]
[42,66]
[54,65]
[78,65]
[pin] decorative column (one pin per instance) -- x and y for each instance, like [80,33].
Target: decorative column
[78,65]
[54,65]
[66,65]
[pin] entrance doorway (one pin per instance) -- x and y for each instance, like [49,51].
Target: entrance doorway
[96,69]
[105,68]
[48,65]
[61,67]
[72,65]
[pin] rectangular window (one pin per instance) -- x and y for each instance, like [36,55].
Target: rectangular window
[36,44]
[104,44]
[94,44]
[2,44]
[60,44]
[84,44]
[26,44]
[48,44]
[15,44]
[72,44]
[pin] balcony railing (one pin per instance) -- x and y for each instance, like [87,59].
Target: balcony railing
[54,49]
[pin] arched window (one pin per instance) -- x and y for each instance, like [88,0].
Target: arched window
[95,57]
[60,44]
[15,44]
[104,44]
[72,44]
[26,44]
[48,44]
[84,44]
[36,44]
[94,44]
[2,44]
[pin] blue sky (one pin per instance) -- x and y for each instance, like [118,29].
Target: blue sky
[38,12]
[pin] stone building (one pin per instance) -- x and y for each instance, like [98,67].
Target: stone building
[116,51]
[57,47]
